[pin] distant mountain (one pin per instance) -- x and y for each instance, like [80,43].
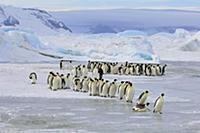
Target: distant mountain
[119,20]
[34,20]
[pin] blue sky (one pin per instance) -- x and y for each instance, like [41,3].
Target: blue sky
[104,4]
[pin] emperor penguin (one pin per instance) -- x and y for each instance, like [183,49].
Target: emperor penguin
[137,69]
[105,88]
[148,70]
[142,98]
[56,82]
[100,84]
[95,72]
[84,71]
[129,93]
[94,87]
[68,81]
[121,90]
[158,105]
[158,70]
[153,70]
[78,85]
[90,81]
[113,89]
[84,84]
[61,64]
[131,69]
[33,77]
[63,83]
[49,79]
[115,68]
[127,70]
[163,69]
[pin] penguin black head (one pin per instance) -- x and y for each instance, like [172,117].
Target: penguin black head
[130,84]
[147,91]
[122,82]
[107,81]
[162,94]
[68,74]
[70,61]
[85,77]
[147,104]
[115,80]
[62,75]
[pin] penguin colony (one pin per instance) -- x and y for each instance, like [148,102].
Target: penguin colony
[79,81]
[136,69]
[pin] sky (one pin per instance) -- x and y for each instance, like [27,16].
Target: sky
[103,4]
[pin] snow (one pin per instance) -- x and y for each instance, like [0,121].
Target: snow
[34,108]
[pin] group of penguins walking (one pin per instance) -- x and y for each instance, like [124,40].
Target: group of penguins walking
[97,86]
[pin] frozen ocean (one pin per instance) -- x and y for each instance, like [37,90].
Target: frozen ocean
[36,109]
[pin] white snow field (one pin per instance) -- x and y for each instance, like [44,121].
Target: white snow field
[34,108]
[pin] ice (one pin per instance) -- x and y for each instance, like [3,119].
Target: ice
[119,20]
[32,20]
[34,108]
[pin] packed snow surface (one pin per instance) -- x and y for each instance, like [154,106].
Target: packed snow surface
[34,108]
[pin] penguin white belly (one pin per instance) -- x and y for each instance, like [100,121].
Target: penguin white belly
[55,84]
[121,91]
[143,99]
[95,73]
[78,86]
[129,94]
[158,72]
[67,83]
[159,105]
[153,71]
[33,81]
[112,90]
[105,90]
[49,81]
[94,88]
[85,86]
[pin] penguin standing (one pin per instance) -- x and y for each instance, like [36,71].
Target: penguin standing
[56,82]
[121,90]
[129,93]
[94,88]
[100,86]
[163,69]
[61,64]
[84,71]
[158,70]
[84,84]
[153,70]
[68,81]
[113,89]
[158,105]
[77,84]
[49,78]
[33,77]
[142,98]
[105,88]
